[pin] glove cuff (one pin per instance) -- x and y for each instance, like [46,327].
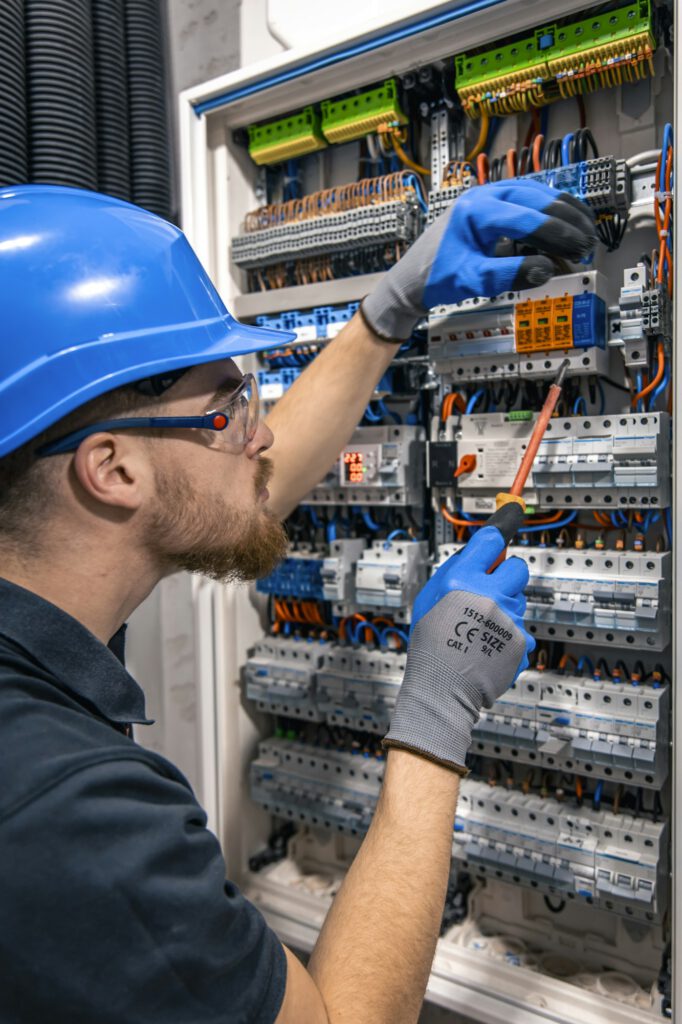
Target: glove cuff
[458,769]
[386,320]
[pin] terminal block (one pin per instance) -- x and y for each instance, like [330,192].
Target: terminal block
[280,677]
[338,570]
[557,61]
[399,220]
[287,138]
[390,574]
[298,575]
[380,466]
[356,116]
[618,598]
[616,461]
[440,199]
[523,333]
[358,688]
[593,727]
[644,312]
[616,862]
[602,182]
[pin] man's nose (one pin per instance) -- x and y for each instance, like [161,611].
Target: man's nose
[261,441]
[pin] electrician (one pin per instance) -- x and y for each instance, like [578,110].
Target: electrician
[131,447]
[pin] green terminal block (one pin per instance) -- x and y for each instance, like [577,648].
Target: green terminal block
[603,30]
[356,116]
[523,74]
[285,139]
[519,415]
[512,59]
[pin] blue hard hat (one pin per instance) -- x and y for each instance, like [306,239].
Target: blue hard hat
[96,293]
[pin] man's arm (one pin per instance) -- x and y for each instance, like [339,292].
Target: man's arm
[373,957]
[455,258]
[317,415]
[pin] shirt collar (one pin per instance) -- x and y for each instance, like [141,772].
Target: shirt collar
[72,654]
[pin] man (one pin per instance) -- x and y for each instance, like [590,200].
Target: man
[131,447]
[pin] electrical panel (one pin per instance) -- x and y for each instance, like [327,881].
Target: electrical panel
[562,839]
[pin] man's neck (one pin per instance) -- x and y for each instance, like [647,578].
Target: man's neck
[100,593]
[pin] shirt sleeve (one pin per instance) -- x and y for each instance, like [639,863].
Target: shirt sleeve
[120,903]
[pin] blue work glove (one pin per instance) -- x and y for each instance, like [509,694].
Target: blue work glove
[467,645]
[455,257]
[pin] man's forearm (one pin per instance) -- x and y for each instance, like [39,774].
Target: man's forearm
[374,954]
[319,412]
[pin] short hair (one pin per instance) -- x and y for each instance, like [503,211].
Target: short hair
[27,481]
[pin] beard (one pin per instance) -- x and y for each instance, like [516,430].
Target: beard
[204,535]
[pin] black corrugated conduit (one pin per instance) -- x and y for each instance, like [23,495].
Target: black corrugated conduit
[13,115]
[61,92]
[83,97]
[150,164]
[111,91]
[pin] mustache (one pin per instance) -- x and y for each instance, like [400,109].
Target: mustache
[264,471]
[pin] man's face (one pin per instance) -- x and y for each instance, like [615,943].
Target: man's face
[208,513]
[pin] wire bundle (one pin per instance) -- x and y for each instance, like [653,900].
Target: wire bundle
[13,115]
[61,91]
[397,187]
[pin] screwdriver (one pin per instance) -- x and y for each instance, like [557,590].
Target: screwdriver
[510,506]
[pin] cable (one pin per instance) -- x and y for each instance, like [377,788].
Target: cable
[473,401]
[396,632]
[479,145]
[369,522]
[566,149]
[642,392]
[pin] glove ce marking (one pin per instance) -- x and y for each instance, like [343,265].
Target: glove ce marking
[467,645]
[455,257]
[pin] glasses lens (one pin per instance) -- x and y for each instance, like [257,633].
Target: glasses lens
[242,413]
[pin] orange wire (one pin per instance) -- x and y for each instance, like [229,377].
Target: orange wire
[663,223]
[658,376]
[538,142]
[511,162]
[482,168]
[449,518]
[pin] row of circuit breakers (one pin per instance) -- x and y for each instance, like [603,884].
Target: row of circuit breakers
[572,723]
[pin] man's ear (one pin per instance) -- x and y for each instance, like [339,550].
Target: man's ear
[112,470]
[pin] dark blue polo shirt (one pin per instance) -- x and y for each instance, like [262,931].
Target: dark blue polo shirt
[113,901]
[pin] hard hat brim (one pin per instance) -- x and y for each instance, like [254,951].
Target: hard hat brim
[113,360]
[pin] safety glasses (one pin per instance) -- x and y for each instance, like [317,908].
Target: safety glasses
[229,427]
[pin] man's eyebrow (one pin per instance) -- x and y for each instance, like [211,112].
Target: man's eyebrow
[224,392]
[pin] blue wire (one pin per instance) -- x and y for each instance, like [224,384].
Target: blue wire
[585,661]
[396,533]
[596,799]
[416,184]
[660,389]
[576,405]
[365,625]
[667,143]
[393,629]
[389,413]
[369,522]
[371,415]
[669,526]
[639,382]
[550,526]
[473,400]
[314,518]
[331,531]
[566,148]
